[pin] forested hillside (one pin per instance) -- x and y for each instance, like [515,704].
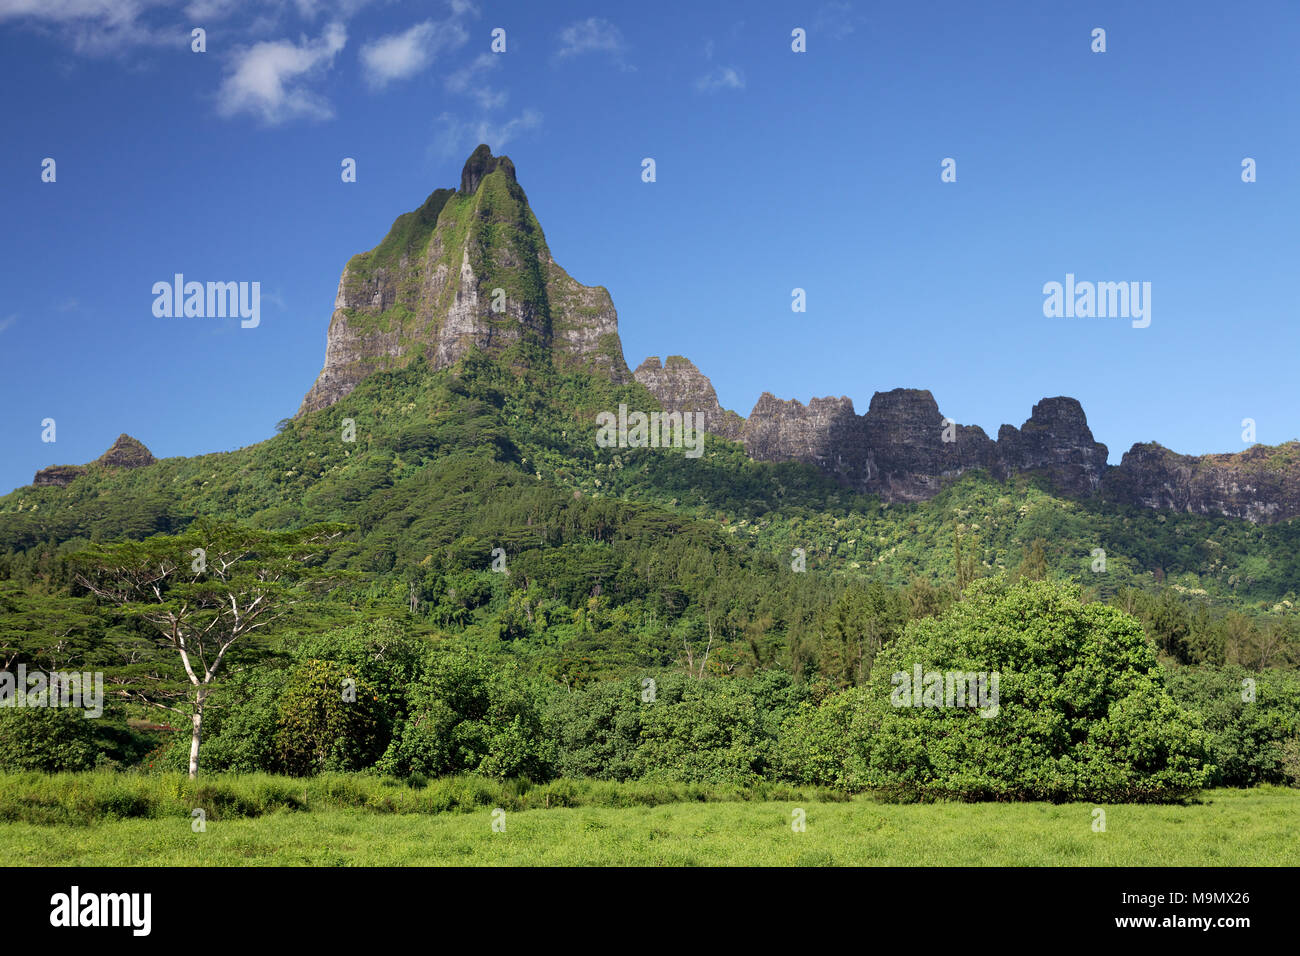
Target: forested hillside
[485,526]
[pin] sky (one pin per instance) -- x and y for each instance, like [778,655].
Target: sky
[775,170]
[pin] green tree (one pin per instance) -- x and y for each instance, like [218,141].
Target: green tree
[1033,566]
[327,719]
[857,626]
[199,594]
[1079,710]
[965,560]
[470,715]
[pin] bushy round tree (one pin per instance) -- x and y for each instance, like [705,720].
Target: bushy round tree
[470,715]
[46,738]
[823,744]
[1073,706]
[327,719]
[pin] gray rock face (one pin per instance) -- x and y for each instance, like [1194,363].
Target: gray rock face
[126,452]
[913,449]
[481,162]
[904,449]
[826,432]
[680,387]
[1057,441]
[1260,484]
[469,269]
[59,476]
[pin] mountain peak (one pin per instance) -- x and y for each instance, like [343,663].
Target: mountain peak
[126,452]
[469,269]
[480,164]
[679,386]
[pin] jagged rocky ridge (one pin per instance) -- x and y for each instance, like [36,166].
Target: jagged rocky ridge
[904,449]
[429,289]
[679,386]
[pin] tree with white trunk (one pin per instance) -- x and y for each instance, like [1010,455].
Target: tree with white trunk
[199,594]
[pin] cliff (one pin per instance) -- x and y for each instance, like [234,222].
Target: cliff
[680,387]
[1259,484]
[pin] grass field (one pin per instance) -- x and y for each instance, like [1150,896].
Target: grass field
[1259,827]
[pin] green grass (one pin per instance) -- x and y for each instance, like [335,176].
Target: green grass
[1225,828]
[84,799]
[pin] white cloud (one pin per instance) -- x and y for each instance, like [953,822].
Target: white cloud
[468,80]
[723,78]
[402,55]
[457,137]
[8,322]
[116,27]
[199,10]
[96,26]
[61,11]
[266,80]
[333,9]
[593,35]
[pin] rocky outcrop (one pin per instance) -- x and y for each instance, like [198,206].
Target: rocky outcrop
[680,387]
[904,449]
[1057,442]
[126,452]
[826,432]
[59,475]
[481,162]
[913,449]
[1260,484]
[469,269]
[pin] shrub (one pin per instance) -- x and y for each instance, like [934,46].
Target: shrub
[468,715]
[46,738]
[1081,711]
[597,730]
[826,745]
[704,731]
[1248,725]
[327,720]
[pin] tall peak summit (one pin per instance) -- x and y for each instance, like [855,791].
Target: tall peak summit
[481,162]
[469,269]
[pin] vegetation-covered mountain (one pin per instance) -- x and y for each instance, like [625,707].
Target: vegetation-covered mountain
[470,268]
[457,444]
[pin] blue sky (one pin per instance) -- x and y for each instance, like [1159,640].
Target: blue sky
[775,170]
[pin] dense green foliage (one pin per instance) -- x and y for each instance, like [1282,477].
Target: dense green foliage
[1074,708]
[49,739]
[510,585]
[1252,721]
